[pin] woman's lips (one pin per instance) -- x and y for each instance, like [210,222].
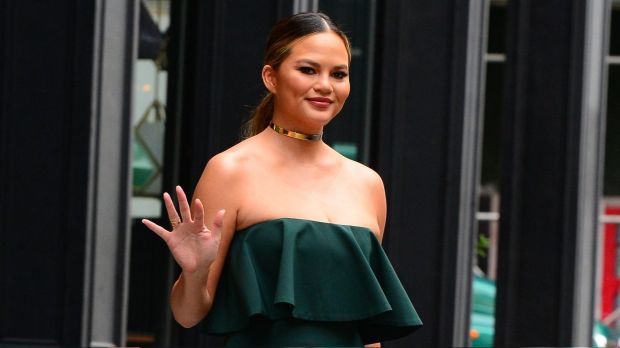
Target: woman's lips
[320,102]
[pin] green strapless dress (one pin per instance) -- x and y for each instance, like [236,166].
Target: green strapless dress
[296,282]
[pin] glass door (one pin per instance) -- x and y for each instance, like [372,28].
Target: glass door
[482,320]
[147,323]
[607,308]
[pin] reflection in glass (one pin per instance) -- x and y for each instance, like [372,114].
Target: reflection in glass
[149,112]
[607,304]
[149,258]
[482,321]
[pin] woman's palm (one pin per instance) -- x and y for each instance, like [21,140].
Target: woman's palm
[192,244]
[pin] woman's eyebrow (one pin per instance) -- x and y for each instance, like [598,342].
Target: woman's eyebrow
[309,62]
[316,65]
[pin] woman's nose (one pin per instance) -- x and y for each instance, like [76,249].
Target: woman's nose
[323,84]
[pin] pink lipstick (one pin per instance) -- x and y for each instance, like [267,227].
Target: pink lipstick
[320,102]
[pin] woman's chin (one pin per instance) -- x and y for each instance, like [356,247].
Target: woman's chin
[320,118]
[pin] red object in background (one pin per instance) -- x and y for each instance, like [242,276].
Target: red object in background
[611,280]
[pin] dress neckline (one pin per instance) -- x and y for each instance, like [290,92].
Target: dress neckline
[256,224]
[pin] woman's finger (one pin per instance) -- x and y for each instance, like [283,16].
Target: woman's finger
[183,205]
[160,231]
[173,216]
[198,212]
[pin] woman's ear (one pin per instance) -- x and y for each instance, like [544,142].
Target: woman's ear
[269,78]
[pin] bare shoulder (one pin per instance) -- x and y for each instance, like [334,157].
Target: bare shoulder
[231,163]
[367,182]
[222,182]
[224,175]
[366,176]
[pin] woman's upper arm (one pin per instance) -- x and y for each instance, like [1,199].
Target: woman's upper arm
[379,201]
[216,189]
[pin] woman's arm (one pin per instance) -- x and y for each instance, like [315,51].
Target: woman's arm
[194,248]
[200,242]
[377,191]
[219,187]
[378,200]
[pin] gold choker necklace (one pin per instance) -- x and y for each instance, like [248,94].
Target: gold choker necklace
[295,135]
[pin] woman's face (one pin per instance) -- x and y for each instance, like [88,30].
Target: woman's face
[311,84]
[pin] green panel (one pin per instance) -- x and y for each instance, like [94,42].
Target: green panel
[484,327]
[348,150]
[483,295]
[142,168]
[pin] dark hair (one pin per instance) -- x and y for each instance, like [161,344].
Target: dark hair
[282,37]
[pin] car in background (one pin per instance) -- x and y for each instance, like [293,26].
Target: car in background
[482,320]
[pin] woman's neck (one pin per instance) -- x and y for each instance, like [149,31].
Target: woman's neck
[298,126]
[294,134]
[294,148]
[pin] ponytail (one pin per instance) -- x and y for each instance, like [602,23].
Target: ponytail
[260,117]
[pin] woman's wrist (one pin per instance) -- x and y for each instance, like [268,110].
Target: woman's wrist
[200,274]
[190,300]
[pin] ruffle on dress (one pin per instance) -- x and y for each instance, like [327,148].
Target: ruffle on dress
[315,271]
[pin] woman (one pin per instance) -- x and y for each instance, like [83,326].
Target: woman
[290,252]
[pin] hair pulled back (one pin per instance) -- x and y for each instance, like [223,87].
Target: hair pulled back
[281,39]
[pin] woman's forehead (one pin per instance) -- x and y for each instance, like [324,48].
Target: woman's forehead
[320,45]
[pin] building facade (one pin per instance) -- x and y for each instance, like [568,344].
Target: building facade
[494,125]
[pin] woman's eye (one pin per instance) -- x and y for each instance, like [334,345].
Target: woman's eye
[340,74]
[306,70]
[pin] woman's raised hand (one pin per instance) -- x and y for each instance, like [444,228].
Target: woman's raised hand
[192,244]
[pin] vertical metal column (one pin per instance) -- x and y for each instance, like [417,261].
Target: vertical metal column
[591,158]
[468,109]
[305,6]
[115,50]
